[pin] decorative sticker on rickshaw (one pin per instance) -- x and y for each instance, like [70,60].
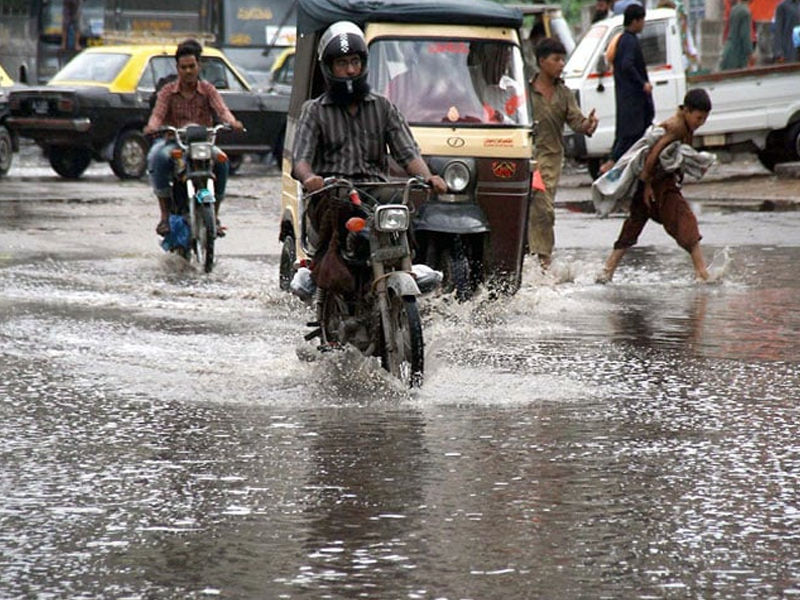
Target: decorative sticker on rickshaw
[504,169]
[513,104]
[498,142]
[448,48]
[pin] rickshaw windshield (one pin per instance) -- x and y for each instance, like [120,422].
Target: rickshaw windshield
[446,81]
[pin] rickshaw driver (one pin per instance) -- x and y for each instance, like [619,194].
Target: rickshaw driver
[345,131]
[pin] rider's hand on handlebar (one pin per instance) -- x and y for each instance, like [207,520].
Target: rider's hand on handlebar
[313,183]
[437,183]
[237,125]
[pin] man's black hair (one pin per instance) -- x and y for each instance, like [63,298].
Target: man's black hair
[189,47]
[632,13]
[697,99]
[548,46]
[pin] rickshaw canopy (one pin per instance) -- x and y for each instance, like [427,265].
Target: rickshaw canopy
[313,15]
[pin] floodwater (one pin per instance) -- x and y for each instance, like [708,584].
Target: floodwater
[160,438]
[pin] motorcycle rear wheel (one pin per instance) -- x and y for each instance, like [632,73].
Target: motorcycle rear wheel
[404,319]
[206,234]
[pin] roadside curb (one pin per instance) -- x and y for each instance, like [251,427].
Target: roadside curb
[737,185]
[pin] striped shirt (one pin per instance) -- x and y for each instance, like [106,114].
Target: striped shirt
[337,143]
[201,108]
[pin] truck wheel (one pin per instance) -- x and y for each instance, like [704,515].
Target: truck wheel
[6,151]
[68,162]
[130,155]
[768,157]
[792,142]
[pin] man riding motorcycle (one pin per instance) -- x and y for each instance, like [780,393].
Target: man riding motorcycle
[185,101]
[345,131]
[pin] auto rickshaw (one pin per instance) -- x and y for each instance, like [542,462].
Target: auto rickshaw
[455,70]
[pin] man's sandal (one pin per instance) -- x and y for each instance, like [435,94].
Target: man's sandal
[221,230]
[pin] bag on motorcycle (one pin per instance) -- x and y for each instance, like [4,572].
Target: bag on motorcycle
[331,272]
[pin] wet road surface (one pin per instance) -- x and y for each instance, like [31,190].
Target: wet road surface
[160,437]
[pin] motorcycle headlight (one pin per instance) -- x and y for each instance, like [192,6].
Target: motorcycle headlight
[392,217]
[200,150]
[457,176]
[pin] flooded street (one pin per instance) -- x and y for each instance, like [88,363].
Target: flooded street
[160,438]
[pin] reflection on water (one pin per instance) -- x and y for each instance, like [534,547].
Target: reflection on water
[160,437]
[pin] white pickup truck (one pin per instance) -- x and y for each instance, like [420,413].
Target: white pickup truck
[754,110]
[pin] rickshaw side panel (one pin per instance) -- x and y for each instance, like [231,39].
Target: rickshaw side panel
[502,193]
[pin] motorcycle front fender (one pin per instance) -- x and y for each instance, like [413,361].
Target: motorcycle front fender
[447,217]
[204,196]
[402,284]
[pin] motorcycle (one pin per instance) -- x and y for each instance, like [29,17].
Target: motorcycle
[372,305]
[193,219]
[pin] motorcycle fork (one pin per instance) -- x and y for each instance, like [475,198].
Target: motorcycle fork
[191,191]
[381,294]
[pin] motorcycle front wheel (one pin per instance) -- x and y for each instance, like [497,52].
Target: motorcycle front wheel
[410,351]
[206,231]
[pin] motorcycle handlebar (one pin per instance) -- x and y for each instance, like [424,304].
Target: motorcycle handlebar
[180,132]
[330,183]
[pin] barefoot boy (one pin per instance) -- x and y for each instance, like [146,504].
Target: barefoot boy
[658,195]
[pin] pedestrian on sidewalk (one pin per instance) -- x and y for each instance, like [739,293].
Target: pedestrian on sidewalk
[633,91]
[657,193]
[738,50]
[786,19]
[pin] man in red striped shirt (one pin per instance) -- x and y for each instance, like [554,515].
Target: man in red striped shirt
[184,101]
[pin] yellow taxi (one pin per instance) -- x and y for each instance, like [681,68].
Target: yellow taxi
[97,105]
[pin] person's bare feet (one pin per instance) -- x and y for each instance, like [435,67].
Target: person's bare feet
[604,276]
[545,261]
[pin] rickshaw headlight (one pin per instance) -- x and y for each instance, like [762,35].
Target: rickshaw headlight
[392,217]
[457,176]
